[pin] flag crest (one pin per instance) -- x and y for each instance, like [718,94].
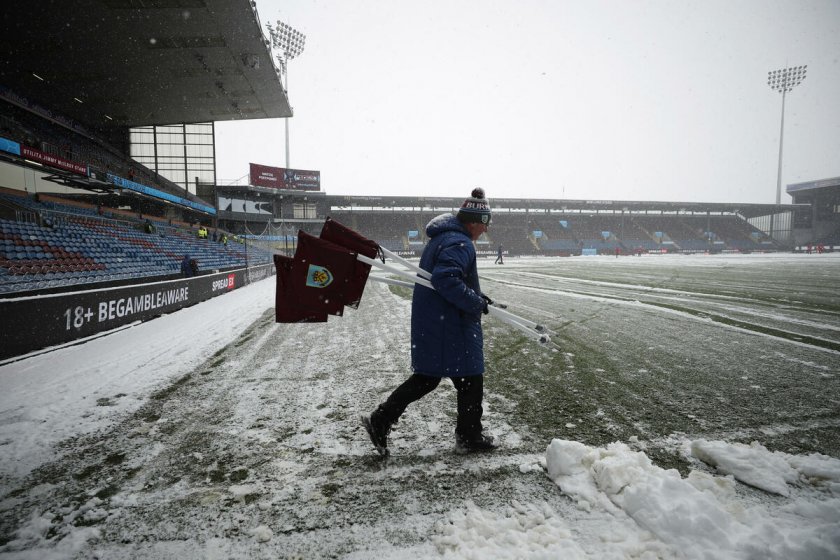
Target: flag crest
[318,277]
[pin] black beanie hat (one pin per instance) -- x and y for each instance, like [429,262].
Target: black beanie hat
[475,209]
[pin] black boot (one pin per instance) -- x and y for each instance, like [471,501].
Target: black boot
[474,443]
[378,429]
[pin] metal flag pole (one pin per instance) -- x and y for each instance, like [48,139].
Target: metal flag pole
[394,270]
[493,311]
[506,317]
[402,261]
[427,275]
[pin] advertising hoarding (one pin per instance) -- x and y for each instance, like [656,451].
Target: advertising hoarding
[286,179]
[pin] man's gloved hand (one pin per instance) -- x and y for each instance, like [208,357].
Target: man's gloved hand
[487,303]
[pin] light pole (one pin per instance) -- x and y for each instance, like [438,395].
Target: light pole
[289,41]
[783,81]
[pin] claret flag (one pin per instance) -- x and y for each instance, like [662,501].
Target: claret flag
[286,309]
[324,276]
[352,240]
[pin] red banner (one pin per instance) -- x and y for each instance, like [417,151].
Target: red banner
[265,176]
[53,161]
[287,179]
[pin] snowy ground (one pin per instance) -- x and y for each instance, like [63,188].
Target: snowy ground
[688,408]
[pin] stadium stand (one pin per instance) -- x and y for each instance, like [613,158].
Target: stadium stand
[554,237]
[832,239]
[662,229]
[389,229]
[593,232]
[552,234]
[738,234]
[634,238]
[63,244]
[34,131]
[513,231]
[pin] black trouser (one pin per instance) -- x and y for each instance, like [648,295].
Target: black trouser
[470,392]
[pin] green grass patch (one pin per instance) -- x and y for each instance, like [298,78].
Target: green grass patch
[167,392]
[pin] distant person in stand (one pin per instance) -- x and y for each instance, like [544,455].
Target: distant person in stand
[446,335]
[499,253]
[186,267]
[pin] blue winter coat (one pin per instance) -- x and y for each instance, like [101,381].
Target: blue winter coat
[446,337]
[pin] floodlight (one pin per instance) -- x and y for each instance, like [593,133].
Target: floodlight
[783,81]
[289,41]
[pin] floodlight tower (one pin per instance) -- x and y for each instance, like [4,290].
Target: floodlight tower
[289,41]
[783,81]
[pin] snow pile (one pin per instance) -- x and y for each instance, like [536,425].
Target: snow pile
[524,531]
[701,516]
[754,465]
[263,533]
[37,535]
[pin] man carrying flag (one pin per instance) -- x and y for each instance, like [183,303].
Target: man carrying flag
[446,335]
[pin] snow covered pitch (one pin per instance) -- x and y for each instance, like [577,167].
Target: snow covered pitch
[688,407]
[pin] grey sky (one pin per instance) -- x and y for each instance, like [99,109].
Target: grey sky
[616,100]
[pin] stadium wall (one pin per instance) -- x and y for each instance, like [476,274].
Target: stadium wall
[67,317]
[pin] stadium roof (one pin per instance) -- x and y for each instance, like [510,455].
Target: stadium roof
[832,183]
[141,62]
